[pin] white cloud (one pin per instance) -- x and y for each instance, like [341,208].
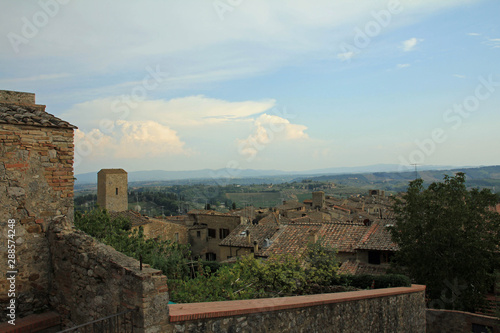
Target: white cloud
[270,129]
[409,45]
[473,34]
[459,76]
[183,112]
[400,66]
[130,140]
[187,38]
[493,42]
[346,55]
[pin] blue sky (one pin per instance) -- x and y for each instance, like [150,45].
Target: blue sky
[182,85]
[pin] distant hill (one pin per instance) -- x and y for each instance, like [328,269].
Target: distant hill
[481,177]
[162,175]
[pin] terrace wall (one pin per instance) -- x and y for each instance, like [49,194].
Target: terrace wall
[92,280]
[447,321]
[381,310]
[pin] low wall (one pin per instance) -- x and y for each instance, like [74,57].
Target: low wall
[92,280]
[447,321]
[379,310]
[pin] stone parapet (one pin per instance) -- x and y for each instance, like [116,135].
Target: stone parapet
[380,310]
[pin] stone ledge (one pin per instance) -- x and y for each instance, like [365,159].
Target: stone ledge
[32,323]
[194,311]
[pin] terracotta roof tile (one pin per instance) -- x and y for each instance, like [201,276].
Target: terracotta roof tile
[134,217]
[34,115]
[238,238]
[377,237]
[342,236]
[291,239]
[354,267]
[206,212]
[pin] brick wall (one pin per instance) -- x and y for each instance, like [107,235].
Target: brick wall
[36,184]
[381,310]
[92,281]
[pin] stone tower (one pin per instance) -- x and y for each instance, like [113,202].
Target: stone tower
[112,186]
[318,200]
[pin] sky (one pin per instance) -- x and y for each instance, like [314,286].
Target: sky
[290,85]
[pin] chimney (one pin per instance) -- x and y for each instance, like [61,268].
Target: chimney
[312,236]
[255,247]
[248,237]
[20,98]
[16,97]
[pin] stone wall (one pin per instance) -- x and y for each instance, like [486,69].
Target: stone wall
[165,231]
[382,310]
[92,280]
[446,321]
[17,97]
[36,185]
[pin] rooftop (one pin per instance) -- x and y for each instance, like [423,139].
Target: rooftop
[19,108]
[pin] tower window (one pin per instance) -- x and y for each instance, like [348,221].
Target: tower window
[117,191]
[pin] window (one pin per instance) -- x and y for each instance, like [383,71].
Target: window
[198,234]
[212,233]
[117,191]
[374,257]
[223,233]
[211,256]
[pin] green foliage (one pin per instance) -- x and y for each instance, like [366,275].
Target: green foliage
[255,278]
[368,281]
[247,278]
[322,264]
[170,257]
[448,241]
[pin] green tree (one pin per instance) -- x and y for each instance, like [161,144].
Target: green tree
[449,241]
[168,256]
[322,263]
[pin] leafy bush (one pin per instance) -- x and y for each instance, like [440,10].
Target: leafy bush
[322,264]
[367,281]
[170,257]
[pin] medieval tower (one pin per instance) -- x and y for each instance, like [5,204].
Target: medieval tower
[112,186]
[318,200]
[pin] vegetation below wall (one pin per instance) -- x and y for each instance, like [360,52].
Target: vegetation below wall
[248,278]
[167,256]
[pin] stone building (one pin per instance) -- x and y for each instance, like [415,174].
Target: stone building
[207,229]
[318,200]
[112,190]
[36,186]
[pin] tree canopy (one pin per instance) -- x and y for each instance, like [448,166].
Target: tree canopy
[449,241]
